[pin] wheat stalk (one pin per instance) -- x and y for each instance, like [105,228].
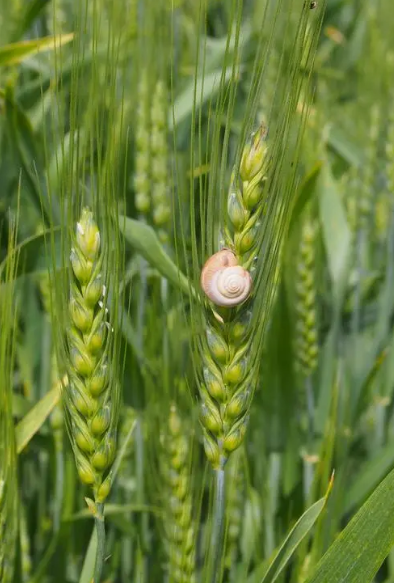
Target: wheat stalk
[235,507]
[8,459]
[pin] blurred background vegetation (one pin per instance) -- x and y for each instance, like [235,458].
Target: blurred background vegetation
[143,107]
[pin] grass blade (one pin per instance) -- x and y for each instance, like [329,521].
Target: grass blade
[35,418]
[144,240]
[358,552]
[294,538]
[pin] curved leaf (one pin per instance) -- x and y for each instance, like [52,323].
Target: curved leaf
[144,240]
[14,53]
[336,233]
[90,559]
[359,551]
[294,538]
[305,193]
[370,474]
[35,418]
[32,254]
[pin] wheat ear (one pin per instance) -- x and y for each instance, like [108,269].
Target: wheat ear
[229,366]
[92,410]
[306,332]
[179,524]
[142,183]
[229,376]
[159,157]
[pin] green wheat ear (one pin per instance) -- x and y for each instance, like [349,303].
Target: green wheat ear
[179,522]
[142,181]
[159,160]
[89,396]
[306,332]
[229,369]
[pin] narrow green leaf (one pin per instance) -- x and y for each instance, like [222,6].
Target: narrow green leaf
[204,88]
[25,144]
[336,232]
[349,151]
[59,161]
[31,423]
[31,253]
[145,241]
[31,12]
[358,552]
[294,538]
[305,192]
[14,53]
[369,476]
[90,559]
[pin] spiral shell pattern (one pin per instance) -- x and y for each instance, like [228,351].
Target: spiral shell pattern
[224,281]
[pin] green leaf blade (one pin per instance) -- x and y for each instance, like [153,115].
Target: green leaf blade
[31,423]
[293,539]
[145,241]
[359,551]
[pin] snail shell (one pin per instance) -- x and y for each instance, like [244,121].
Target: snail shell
[224,281]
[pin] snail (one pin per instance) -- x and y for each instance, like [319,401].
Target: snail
[224,281]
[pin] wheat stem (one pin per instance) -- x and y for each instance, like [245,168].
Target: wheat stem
[217,527]
[100,555]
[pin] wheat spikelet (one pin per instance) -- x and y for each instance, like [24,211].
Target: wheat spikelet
[91,410]
[229,376]
[306,333]
[390,145]
[384,205]
[245,202]
[178,523]
[349,186]
[142,182]
[366,195]
[159,153]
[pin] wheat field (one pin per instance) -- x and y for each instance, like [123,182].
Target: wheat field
[196,291]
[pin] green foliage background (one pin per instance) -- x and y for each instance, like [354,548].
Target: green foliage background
[140,110]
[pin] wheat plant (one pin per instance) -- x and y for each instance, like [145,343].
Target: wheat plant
[197,240]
